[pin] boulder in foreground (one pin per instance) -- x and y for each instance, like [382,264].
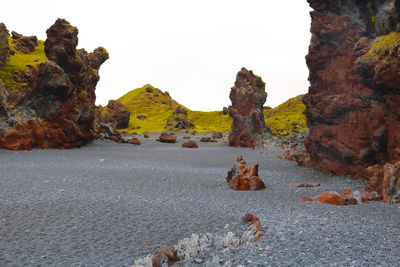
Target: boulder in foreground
[242,178]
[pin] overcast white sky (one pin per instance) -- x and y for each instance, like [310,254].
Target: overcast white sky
[193,49]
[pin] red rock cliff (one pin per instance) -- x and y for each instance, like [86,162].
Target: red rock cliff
[353,106]
[49,104]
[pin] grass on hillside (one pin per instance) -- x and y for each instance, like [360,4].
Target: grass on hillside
[150,112]
[285,118]
[19,61]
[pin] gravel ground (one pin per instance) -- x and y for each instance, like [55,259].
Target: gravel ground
[108,204]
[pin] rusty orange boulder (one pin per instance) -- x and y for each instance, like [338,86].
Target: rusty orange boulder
[190,144]
[167,138]
[242,178]
[345,197]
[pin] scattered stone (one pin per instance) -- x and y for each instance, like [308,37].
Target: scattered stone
[167,138]
[186,137]
[141,117]
[345,197]
[149,89]
[255,231]
[207,139]
[146,135]
[164,256]
[225,111]
[304,184]
[217,135]
[190,144]
[242,178]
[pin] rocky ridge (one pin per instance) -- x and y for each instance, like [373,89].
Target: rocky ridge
[47,90]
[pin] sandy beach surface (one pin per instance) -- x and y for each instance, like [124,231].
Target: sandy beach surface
[107,204]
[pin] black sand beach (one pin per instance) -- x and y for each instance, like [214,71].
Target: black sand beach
[107,204]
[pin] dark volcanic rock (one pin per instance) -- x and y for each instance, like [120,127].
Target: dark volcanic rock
[248,97]
[179,120]
[352,103]
[25,44]
[53,103]
[207,139]
[4,45]
[117,115]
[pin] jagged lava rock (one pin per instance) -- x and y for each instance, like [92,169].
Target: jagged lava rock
[352,104]
[117,115]
[242,178]
[190,144]
[248,97]
[167,138]
[50,103]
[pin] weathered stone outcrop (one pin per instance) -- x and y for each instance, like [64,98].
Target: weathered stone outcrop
[4,46]
[179,120]
[116,115]
[242,178]
[248,97]
[352,104]
[50,102]
[25,44]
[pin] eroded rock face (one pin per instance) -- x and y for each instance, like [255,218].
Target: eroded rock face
[242,178]
[4,46]
[248,97]
[117,115]
[51,104]
[25,44]
[352,103]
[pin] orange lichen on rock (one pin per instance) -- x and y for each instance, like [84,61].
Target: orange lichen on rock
[242,178]
[345,197]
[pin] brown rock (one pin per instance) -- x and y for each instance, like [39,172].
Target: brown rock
[146,135]
[4,45]
[190,144]
[242,178]
[352,104]
[254,222]
[216,135]
[117,115]
[164,255]
[225,111]
[53,105]
[25,44]
[207,139]
[167,138]
[345,197]
[305,199]
[186,137]
[304,184]
[248,97]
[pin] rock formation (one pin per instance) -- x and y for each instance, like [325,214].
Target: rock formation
[208,139]
[47,98]
[248,97]
[179,121]
[116,115]
[242,178]
[190,144]
[352,104]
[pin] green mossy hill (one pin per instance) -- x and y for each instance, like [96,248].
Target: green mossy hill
[287,119]
[150,109]
[18,61]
